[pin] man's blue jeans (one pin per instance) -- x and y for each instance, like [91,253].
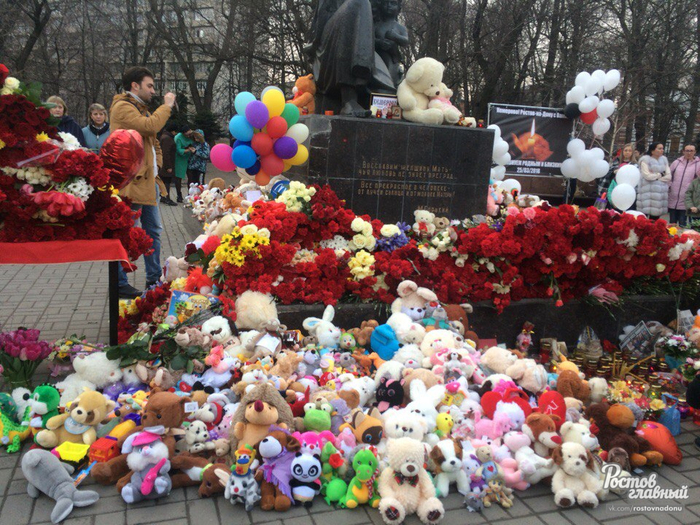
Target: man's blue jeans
[150,222]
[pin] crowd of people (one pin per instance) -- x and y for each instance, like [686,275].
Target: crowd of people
[172,154]
[665,188]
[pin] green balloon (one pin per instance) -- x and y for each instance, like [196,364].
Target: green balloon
[290,113]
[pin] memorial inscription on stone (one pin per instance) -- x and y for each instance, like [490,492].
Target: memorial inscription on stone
[388,169]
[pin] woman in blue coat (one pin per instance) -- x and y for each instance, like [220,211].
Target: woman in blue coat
[67,124]
[97,131]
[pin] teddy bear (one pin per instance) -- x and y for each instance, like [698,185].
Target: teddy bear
[498,359]
[405,486]
[435,341]
[364,332]
[613,426]
[575,479]
[409,355]
[190,336]
[174,268]
[599,389]
[569,384]
[79,423]
[92,371]
[253,309]
[305,93]
[442,102]
[259,408]
[528,375]
[427,377]
[423,225]
[447,457]
[542,431]
[423,80]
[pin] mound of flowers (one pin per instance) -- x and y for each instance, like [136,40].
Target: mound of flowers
[50,190]
[307,247]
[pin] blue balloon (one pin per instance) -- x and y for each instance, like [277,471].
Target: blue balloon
[242,100]
[254,169]
[244,157]
[240,128]
[240,143]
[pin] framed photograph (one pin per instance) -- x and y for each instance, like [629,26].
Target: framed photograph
[385,106]
[637,342]
[184,305]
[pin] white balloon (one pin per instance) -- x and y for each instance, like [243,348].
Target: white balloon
[588,104]
[268,88]
[600,127]
[498,172]
[593,86]
[628,174]
[599,74]
[600,168]
[612,79]
[299,132]
[503,159]
[575,95]
[582,78]
[500,148]
[623,196]
[575,147]
[496,129]
[569,168]
[510,185]
[605,108]
[597,154]
[635,213]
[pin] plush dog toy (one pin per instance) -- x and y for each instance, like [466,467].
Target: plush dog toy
[240,485]
[575,481]
[406,487]
[542,431]
[447,456]
[45,473]
[277,451]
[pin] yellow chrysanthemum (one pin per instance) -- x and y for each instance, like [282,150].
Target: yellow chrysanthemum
[2,144]
[42,137]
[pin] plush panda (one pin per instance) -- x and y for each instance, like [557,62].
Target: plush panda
[306,473]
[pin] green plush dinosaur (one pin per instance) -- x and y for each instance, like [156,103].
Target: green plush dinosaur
[12,433]
[317,417]
[44,403]
[363,487]
[333,486]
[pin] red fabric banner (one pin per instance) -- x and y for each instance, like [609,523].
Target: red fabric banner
[62,252]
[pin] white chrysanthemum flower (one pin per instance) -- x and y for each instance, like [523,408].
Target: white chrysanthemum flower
[80,188]
[37,176]
[70,143]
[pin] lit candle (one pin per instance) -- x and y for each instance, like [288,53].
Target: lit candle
[531,140]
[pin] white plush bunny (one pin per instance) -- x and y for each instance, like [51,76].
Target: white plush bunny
[326,332]
[424,405]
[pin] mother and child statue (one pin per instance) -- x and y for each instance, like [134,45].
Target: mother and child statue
[355,49]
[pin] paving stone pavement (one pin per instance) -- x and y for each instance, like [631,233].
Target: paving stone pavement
[65,299]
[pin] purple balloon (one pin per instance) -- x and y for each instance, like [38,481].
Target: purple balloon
[257,114]
[285,147]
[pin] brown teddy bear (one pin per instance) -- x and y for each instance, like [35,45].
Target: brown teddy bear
[286,364]
[441,224]
[569,384]
[542,431]
[614,426]
[217,182]
[364,333]
[457,316]
[235,203]
[165,409]
[305,94]
[260,408]
[78,423]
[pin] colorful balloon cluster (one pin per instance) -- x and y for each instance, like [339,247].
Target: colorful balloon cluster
[269,137]
[584,99]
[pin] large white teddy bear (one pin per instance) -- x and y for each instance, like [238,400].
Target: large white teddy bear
[422,82]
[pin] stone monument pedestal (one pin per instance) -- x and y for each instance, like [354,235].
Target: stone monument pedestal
[389,168]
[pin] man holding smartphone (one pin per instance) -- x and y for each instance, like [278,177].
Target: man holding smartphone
[129,110]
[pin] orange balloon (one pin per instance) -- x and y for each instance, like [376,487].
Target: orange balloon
[262,178]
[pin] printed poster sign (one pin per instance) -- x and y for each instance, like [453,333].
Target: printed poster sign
[537,138]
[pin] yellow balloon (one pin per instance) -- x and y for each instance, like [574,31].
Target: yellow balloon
[301,157]
[274,100]
[287,164]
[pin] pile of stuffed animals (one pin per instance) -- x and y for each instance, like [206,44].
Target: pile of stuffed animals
[395,416]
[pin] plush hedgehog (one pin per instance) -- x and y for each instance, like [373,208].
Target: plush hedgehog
[306,474]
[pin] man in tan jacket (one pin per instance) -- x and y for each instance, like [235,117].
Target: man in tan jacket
[129,110]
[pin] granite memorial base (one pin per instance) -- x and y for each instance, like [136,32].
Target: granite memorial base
[389,168]
[565,323]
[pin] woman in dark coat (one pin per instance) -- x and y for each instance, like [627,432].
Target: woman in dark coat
[67,124]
